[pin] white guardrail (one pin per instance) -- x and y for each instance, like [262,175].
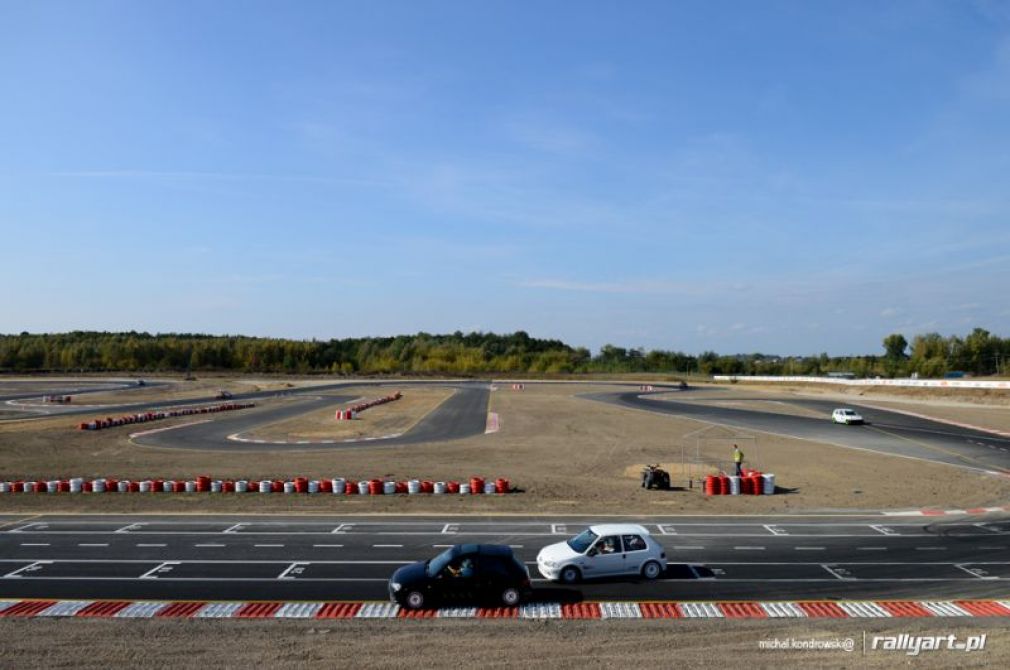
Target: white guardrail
[929,383]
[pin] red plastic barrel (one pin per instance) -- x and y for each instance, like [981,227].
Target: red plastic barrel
[203,483]
[452,487]
[375,487]
[326,486]
[723,485]
[427,487]
[156,485]
[501,486]
[86,487]
[401,487]
[301,485]
[277,486]
[64,486]
[711,485]
[351,487]
[134,487]
[745,486]
[228,486]
[111,486]
[179,487]
[476,485]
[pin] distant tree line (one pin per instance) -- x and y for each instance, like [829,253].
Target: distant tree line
[930,355]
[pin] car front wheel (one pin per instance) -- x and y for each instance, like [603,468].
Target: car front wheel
[651,570]
[415,600]
[570,575]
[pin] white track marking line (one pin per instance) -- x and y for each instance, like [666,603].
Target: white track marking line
[666,529]
[387,546]
[930,548]
[775,530]
[749,548]
[93,544]
[884,530]
[987,527]
[297,567]
[833,573]
[233,529]
[559,529]
[127,529]
[268,546]
[34,544]
[162,430]
[341,527]
[152,544]
[210,544]
[450,528]
[442,546]
[328,546]
[809,548]
[871,548]
[16,574]
[686,547]
[153,572]
[974,573]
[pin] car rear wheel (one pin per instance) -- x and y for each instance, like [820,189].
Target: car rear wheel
[570,575]
[651,570]
[415,600]
[510,597]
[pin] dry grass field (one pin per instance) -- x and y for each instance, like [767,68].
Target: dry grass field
[709,645]
[566,454]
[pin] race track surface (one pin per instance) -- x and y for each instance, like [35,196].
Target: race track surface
[886,432]
[348,557]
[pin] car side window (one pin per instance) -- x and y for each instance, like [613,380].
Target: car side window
[634,543]
[609,545]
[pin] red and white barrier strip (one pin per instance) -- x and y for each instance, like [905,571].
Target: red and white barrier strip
[929,417]
[825,609]
[353,410]
[948,512]
[493,423]
[922,383]
[205,484]
[145,417]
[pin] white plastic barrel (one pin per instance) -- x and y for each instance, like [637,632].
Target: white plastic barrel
[313,486]
[389,488]
[168,487]
[769,484]
[98,486]
[734,485]
[464,489]
[339,485]
[439,488]
[191,487]
[123,487]
[265,486]
[363,488]
[413,487]
[145,486]
[241,486]
[489,487]
[52,487]
[76,485]
[289,487]
[216,486]
[5,487]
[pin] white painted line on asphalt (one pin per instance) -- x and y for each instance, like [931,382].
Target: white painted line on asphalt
[127,529]
[749,548]
[930,548]
[93,544]
[34,544]
[293,570]
[987,527]
[442,546]
[809,548]
[153,544]
[161,567]
[328,546]
[666,529]
[233,529]
[976,572]
[26,527]
[32,567]
[885,530]
[387,546]
[686,547]
[834,573]
[871,548]
[988,548]
[775,530]
[559,529]
[450,528]
[515,546]
[342,528]
[268,546]
[210,544]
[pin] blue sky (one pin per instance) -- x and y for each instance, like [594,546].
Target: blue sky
[787,177]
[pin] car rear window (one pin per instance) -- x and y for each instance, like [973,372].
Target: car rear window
[634,543]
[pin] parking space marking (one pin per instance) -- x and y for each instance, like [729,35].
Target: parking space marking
[666,529]
[233,529]
[839,573]
[885,530]
[559,529]
[450,528]
[775,530]
[294,570]
[343,528]
[127,529]
[976,572]
[31,567]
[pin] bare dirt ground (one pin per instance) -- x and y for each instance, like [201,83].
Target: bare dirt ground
[709,645]
[566,454]
[742,399]
[182,390]
[392,418]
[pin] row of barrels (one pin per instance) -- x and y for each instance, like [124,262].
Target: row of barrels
[348,414]
[204,484]
[144,417]
[751,483]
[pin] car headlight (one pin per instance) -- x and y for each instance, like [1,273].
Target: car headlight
[550,564]
[395,586]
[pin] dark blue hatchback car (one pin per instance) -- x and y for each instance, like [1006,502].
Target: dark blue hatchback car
[464,574]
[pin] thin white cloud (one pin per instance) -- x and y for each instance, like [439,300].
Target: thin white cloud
[212,176]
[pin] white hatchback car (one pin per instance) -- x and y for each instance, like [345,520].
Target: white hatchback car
[606,550]
[846,416]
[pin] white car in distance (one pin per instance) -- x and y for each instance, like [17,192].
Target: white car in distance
[846,416]
[605,550]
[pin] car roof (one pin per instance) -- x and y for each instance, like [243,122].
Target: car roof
[845,409]
[482,549]
[618,529]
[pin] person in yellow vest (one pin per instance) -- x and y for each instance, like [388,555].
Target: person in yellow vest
[738,460]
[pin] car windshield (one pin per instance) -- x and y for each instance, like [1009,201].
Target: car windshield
[582,541]
[437,564]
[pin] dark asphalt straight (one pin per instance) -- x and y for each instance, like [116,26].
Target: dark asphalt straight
[886,432]
[349,558]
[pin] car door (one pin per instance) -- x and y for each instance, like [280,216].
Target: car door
[457,582]
[635,553]
[605,558]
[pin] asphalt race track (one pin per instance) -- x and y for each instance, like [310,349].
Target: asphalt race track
[886,432]
[350,558]
[461,415]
